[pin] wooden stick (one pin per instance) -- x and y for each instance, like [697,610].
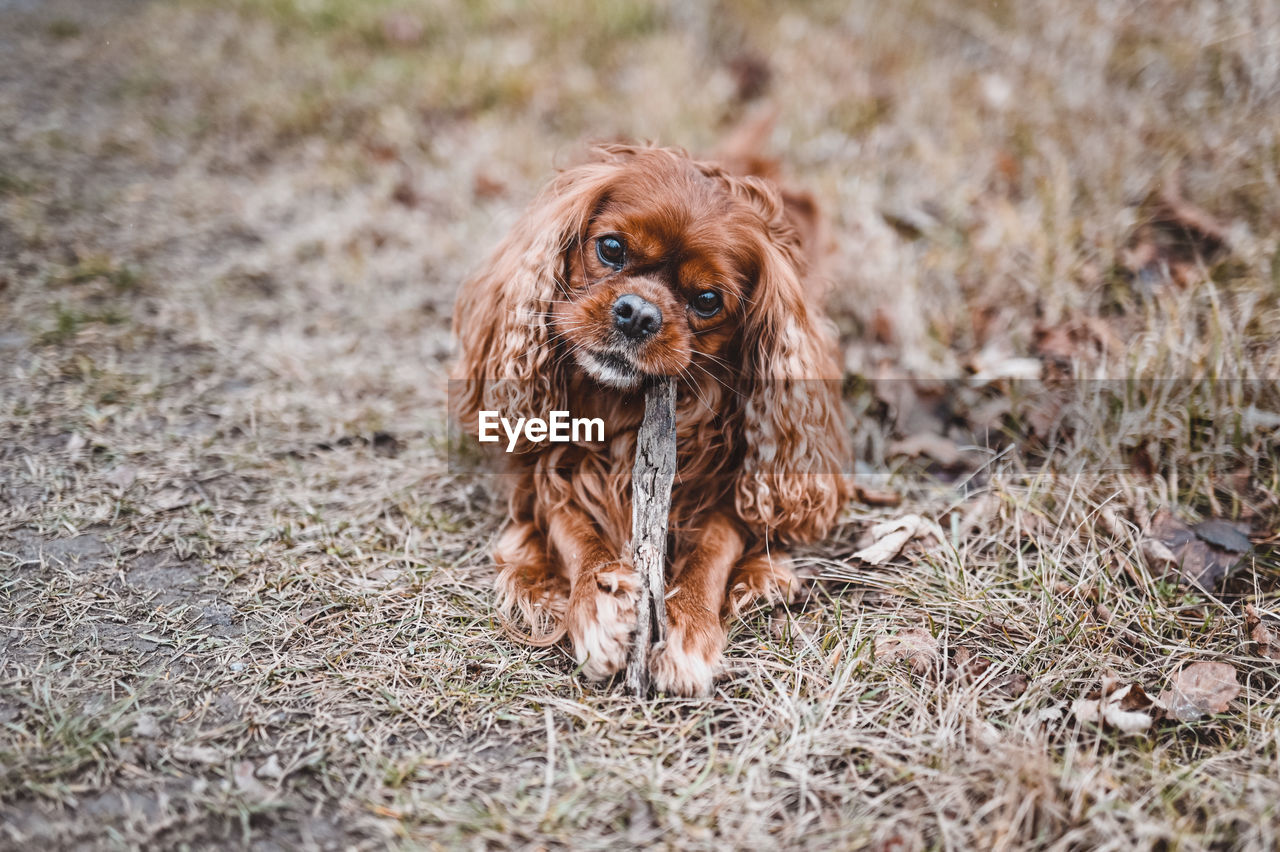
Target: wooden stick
[651,479]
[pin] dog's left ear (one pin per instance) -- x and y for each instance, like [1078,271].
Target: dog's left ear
[503,315]
[793,480]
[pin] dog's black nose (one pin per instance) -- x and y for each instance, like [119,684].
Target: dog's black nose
[635,317]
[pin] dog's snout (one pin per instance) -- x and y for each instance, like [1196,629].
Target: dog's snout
[635,317]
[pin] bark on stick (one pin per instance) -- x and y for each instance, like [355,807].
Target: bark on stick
[651,479]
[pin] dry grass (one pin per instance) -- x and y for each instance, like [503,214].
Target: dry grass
[244,599]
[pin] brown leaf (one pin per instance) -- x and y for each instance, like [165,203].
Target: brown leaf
[1181,213]
[1128,708]
[979,513]
[885,540]
[940,448]
[915,644]
[1200,689]
[1080,339]
[916,405]
[1201,555]
[1014,685]
[1223,535]
[968,668]
[1056,345]
[1176,242]
[1264,634]
[876,497]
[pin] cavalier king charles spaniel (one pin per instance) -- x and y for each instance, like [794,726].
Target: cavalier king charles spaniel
[645,262]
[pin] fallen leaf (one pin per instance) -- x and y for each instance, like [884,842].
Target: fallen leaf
[1223,535]
[876,497]
[888,538]
[1201,555]
[1265,634]
[1187,216]
[915,645]
[1059,347]
[940,448]
[1111,522]
[1177,242]
[1056,345]
[916,406]
[969,668]
[1157,553]
[1014,685]
[1199,690]
[1128,709]
[979,513]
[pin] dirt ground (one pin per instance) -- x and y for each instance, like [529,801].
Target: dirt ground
[245,598]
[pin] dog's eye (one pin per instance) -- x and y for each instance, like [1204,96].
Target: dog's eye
[706,303]
[611,252]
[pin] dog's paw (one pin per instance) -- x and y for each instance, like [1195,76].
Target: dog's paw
[682,667]
[762,579]
[600,621]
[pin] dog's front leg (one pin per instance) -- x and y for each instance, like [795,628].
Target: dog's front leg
[602,599]
[687,663]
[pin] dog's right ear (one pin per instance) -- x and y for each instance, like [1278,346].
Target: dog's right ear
[507,353]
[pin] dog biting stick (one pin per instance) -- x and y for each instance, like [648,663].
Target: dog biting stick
[651,479]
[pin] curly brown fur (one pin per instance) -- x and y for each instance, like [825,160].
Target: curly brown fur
[761,440]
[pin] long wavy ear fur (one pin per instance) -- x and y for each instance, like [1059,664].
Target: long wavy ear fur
[502,320]
[793,480]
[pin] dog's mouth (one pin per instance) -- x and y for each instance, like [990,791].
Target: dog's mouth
[610,368]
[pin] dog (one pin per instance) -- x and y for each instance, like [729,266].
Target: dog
[645,262]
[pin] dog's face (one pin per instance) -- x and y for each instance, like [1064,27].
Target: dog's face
[659,281]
